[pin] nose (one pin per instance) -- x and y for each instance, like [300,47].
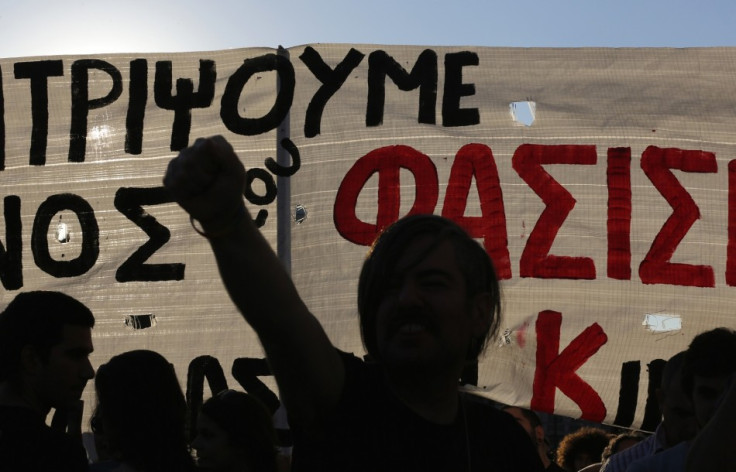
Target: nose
[409,294]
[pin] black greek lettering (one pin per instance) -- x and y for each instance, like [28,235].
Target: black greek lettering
[39,73]
[81,104]
[185,99]
[129,202]
[229,113]
[422,75]
[90,236]
[455,89]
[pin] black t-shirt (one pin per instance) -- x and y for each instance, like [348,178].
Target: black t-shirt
[27,444]
[372,431]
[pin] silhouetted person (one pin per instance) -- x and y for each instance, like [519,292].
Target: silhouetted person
[708,367]
[616,444]
[235,433]
[714,449]
[582,448]
[428,301]
[531,423]
[620,443]
[140,416]
[45,343]
[678,419]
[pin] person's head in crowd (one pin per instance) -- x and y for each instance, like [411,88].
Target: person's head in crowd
[621,442]
[45,343]
[708,368]
[531,423]
[140,416]
[582,448]
[678,417]
[393,283]
[235,433]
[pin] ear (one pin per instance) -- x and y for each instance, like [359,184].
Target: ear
[539,434]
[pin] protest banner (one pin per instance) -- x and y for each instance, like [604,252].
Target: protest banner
[609,208]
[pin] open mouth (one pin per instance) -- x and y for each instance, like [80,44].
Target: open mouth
[409,325]
[411,328]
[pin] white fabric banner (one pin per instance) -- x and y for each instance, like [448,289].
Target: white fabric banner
[599,180]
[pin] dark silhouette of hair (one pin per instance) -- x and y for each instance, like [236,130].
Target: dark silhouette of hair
[248,425]
[142,412]
[710,354]
[613,445]
[36,319]
[473,262]
[589,440]
[671,369]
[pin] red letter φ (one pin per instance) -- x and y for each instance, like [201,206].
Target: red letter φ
[477,160]
[536,260]
[656,268]
[387,162]
[558,370]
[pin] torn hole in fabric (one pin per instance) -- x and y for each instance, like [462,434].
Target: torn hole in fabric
[140,321]
[300,214]
[62,233]
[662,322]
[523,112]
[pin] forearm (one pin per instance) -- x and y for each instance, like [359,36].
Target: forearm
[306,366]
[207,180]
[254,277]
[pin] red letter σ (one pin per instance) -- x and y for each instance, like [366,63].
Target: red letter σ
[656,268]
[536,260]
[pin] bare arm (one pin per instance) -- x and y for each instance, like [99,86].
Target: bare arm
[714,448]
[207,180]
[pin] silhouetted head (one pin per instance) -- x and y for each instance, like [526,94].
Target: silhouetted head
[582,447]
[379,272]
[36,319]
[235,428]
[621,442]
[678,415]
[708,368]
[141,412]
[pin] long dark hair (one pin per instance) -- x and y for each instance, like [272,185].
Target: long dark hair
[142,411]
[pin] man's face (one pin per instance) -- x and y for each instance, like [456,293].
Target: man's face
[677,412]
[214,449]
[706,393]
[424,317]
[62,377]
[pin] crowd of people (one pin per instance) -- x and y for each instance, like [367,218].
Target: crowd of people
[428,303]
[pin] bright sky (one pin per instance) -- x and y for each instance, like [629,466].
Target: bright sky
[50,27]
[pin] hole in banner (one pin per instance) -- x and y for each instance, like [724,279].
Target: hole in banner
[523,112]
